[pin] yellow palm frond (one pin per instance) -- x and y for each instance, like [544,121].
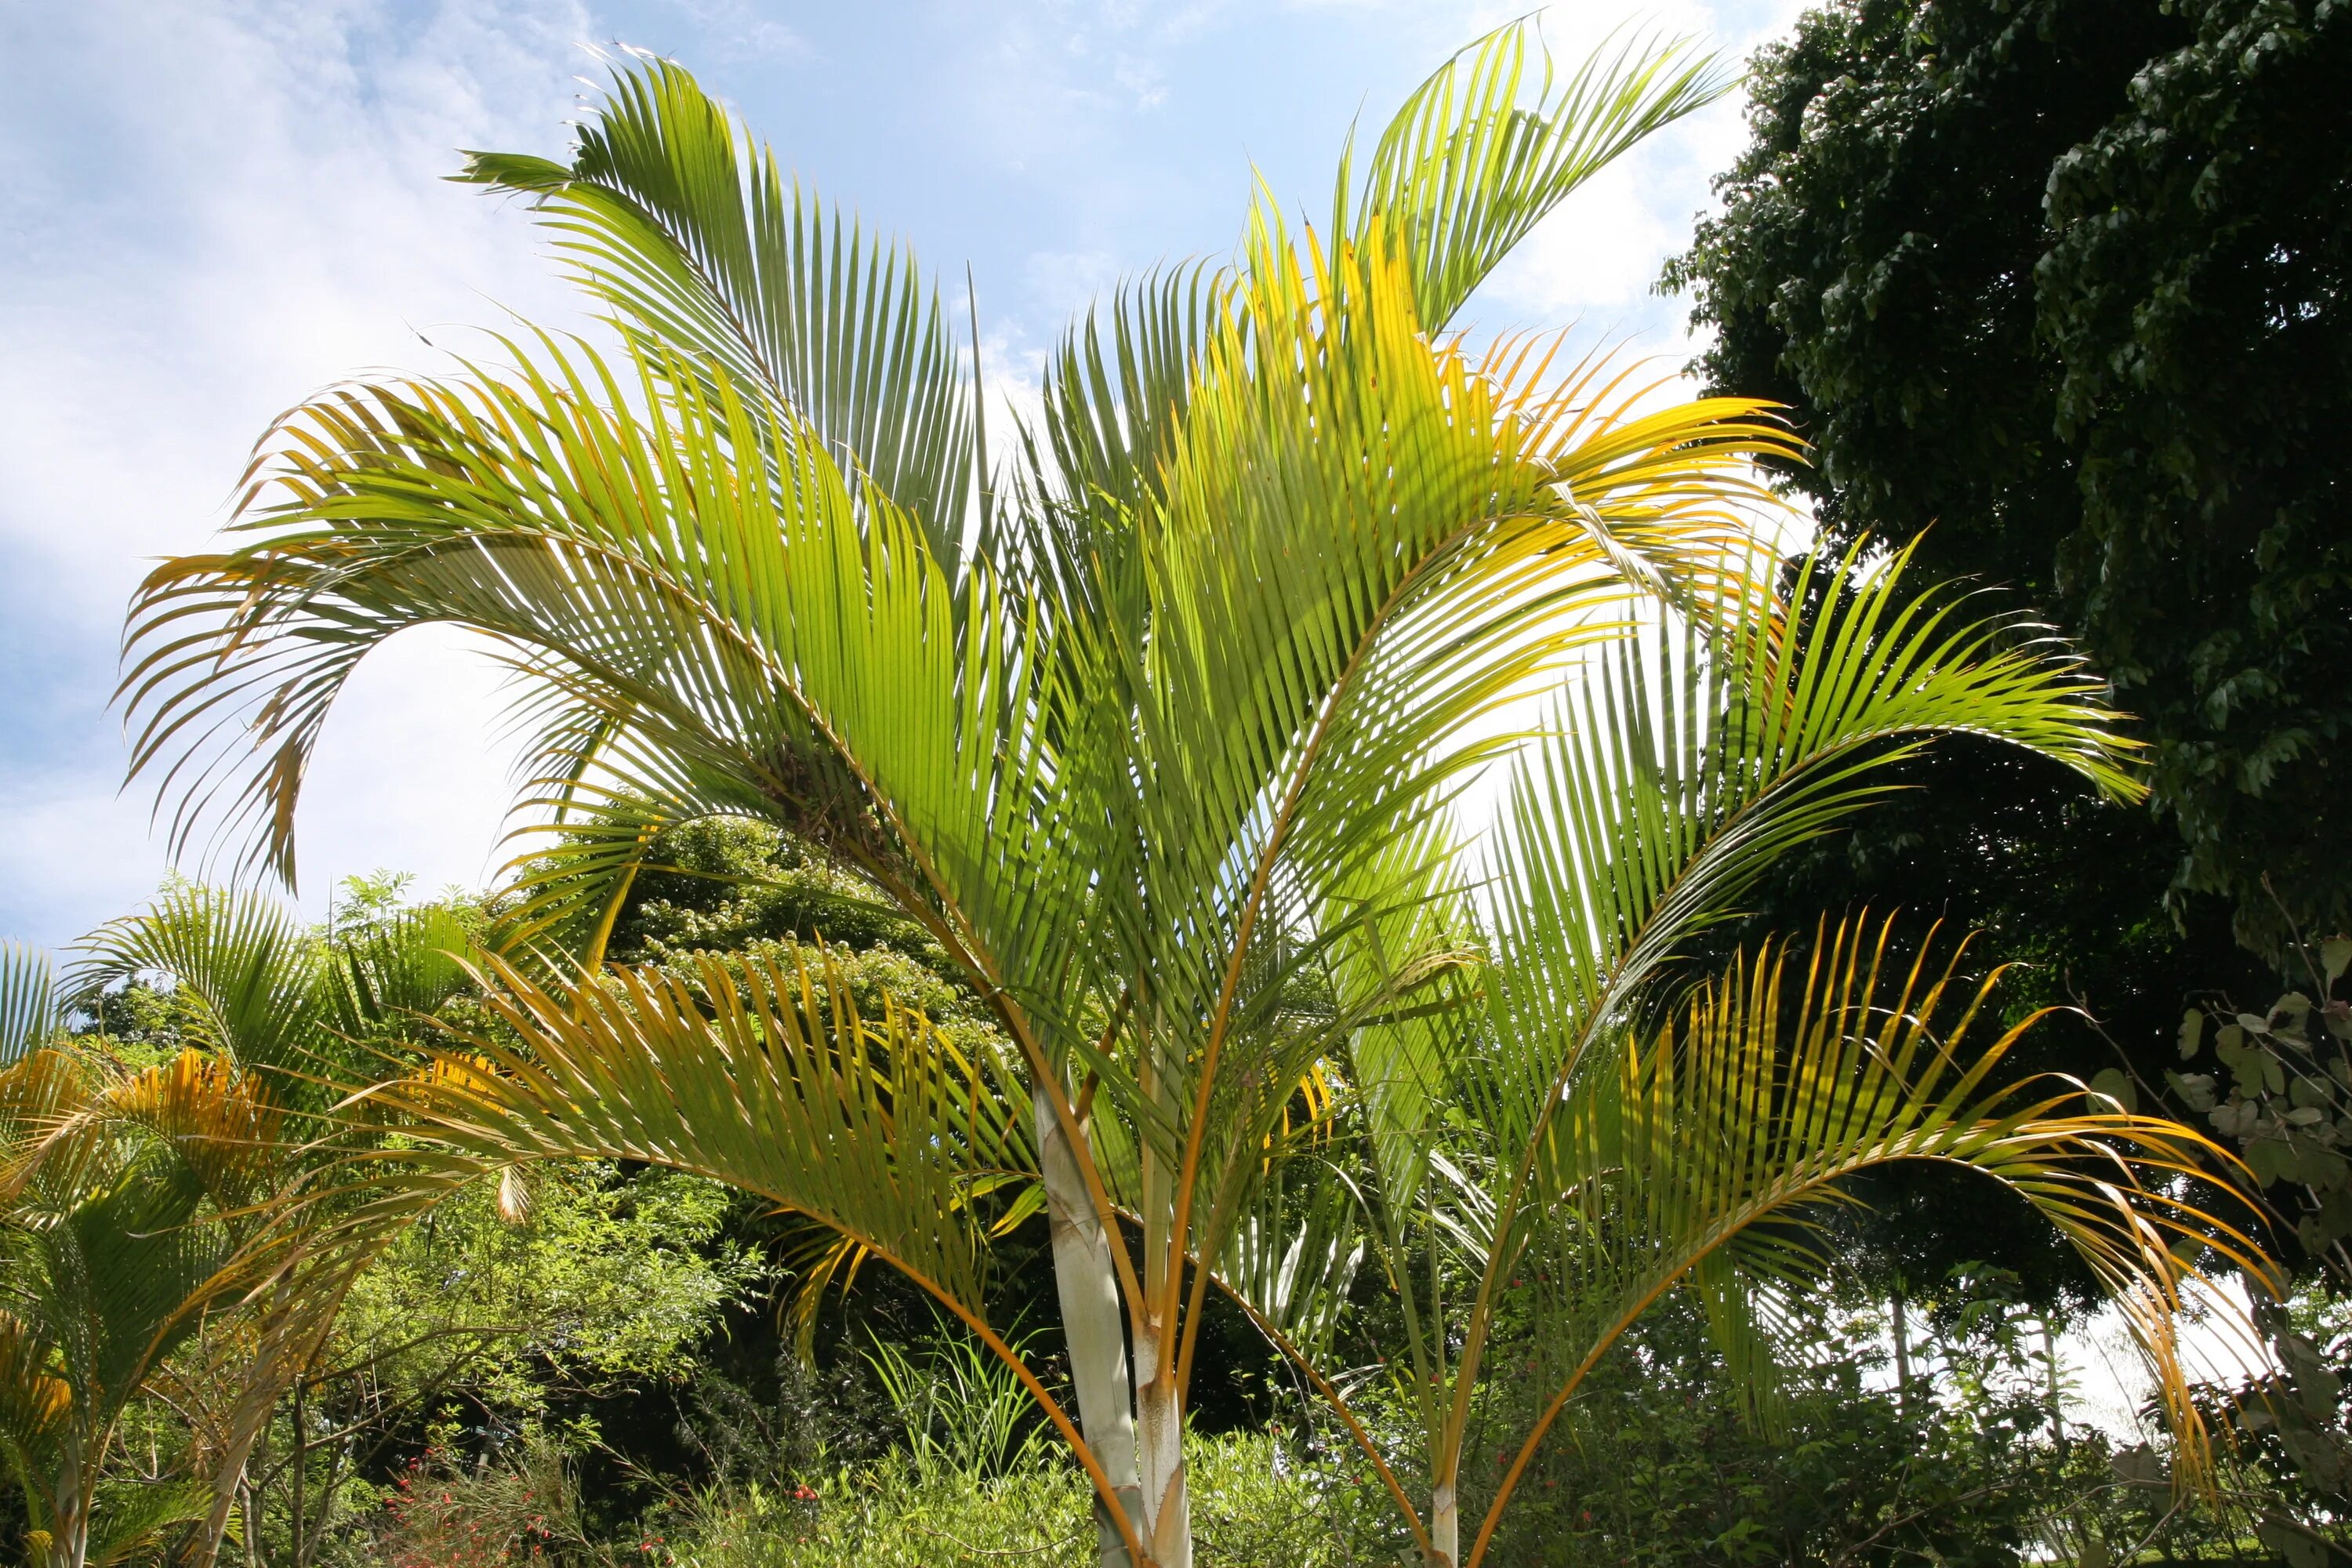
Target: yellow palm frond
[1774,1084]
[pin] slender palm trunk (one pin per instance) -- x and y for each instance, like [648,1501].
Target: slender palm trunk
[298,1524]
[69,1522]
[249,1504]
[2050,1362]
[1088,1288]
[1158,1404]
[1445,1522]
[1160,1451]
[70,1546]
[1901,1356]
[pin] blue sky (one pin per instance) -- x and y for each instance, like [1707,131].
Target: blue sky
[210,210]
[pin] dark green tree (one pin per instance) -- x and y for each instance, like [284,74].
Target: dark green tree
[2065,279]
[2197,295]
[2054,288]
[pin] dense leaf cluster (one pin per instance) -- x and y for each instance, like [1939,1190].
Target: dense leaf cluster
[2064,280]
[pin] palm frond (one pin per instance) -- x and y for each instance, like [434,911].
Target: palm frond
[1291,1258]
[50,1134]
[397,971]
[1465,171]
[221,1126]
[1116,393]
[35,1404]
[696,237]
[1774,1085]
[29,1012]
[1687,759]
[760,1073]
[757,1073]
[128,1516]
[250,971]
[756,646]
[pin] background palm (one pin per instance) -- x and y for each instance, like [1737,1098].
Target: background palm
[114,1183]
[1156,730]
[135,1202]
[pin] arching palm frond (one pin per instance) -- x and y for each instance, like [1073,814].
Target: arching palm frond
[1692,1149]
[672,215]
[1688,759]
[1683,761]
[760,1074]
[249,972]
[28,1001]
[710,594]
[1115,395]
[1465,171]
[129,1518]
[49,1130]
[394,973]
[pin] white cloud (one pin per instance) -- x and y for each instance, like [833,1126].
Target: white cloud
[1142,79]
[1600,257]
[737,31]
[1063,283]
[216,218]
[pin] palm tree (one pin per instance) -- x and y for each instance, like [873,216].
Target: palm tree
[140,1209]
[1157,730]
[112,1185]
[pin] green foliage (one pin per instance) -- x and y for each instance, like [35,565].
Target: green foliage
[725,884]
[1663,1462]
[475,1328]
[2195,294]
[2283,1094]
[606,1278]
[1257,1506]
[2064,279]
[2281,1090]
[964,1413]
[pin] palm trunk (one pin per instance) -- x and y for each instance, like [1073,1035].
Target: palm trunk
[249,1504]
[1902,1357]
[69,1547]
[1446,1523]
[1088,1287]
[2050,1361]
[1158,1404]
[69,1503]
[298,1523]
[1159,1449]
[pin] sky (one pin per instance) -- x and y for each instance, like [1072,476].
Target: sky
[213,210]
